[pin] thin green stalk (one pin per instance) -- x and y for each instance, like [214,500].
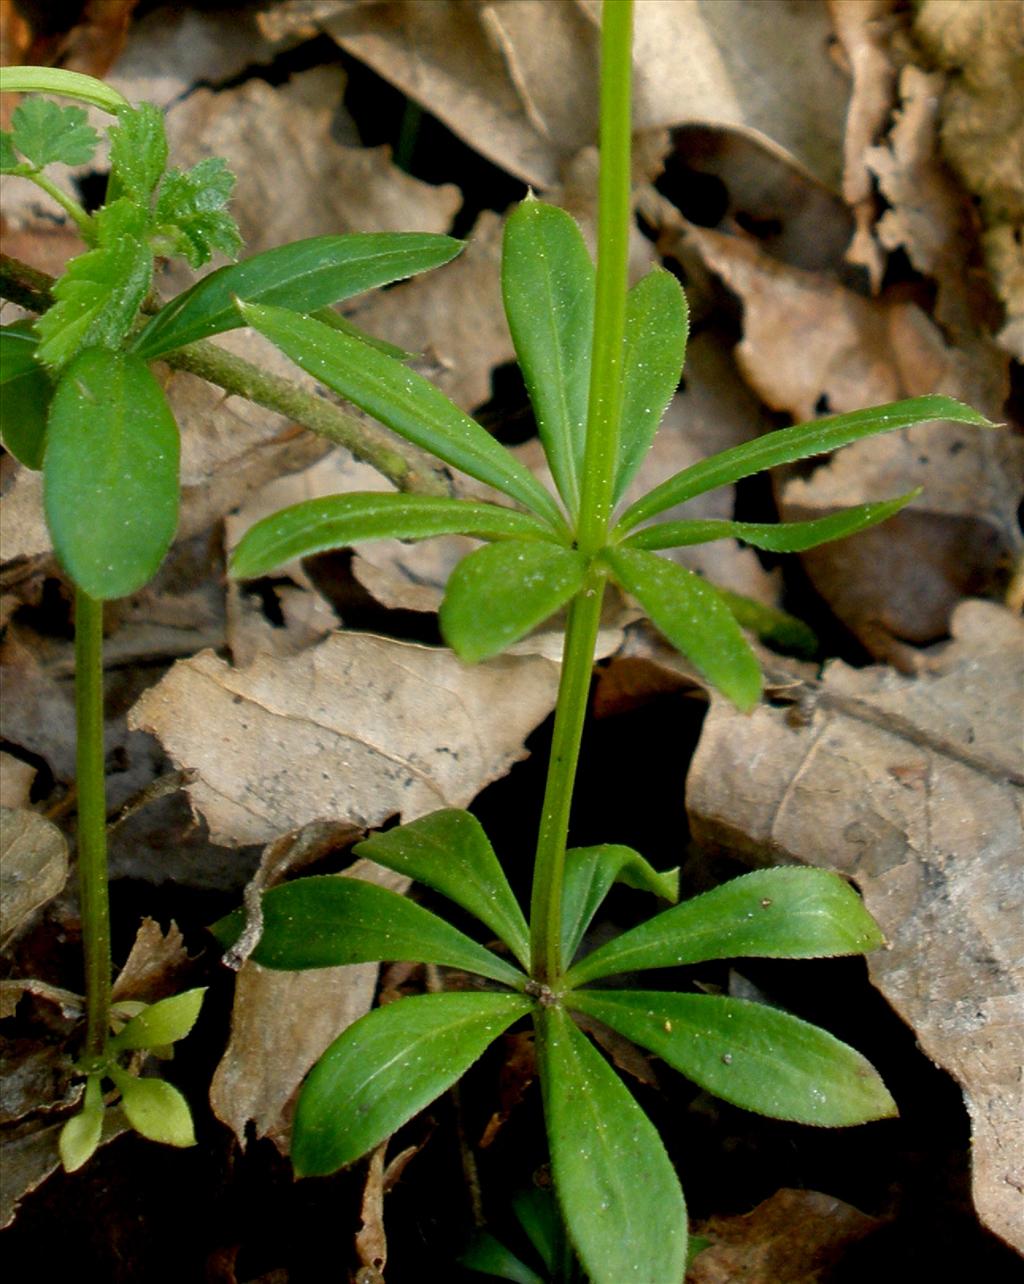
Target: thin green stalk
[92,822]
[600,459]
[82,221]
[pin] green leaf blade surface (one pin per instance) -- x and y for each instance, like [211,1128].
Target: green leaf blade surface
[155,1109]
[190,209]
[161,1023]
[589,875]
[618,1191]
[80,1136]
[387,1067]
[749,1054]
[110,473]
[547,280]
[46,134]
[693,617]
[787,445]
[304,276]
[25,392]
[449,852]
[782,913]
[138,153]
[500,593]
[330,921]
[337,521]
[657,326]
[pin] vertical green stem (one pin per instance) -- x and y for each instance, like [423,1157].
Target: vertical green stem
[600,461]
[92,820]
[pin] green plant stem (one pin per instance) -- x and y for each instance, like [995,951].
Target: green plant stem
[410,470]
[92,823]
[570,714]
[70,207]
[600,460]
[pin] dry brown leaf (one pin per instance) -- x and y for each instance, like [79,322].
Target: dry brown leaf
[153,965]
[913,788]
[34,861]
[294,179]
[16,779]
[359,728]
[795,1237]
[371,1239]
[95,41]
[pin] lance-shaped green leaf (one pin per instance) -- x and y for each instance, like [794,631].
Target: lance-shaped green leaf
[657,324]
[70,84]
[538,1214]
[782,913]
[386,1067]
[329,921]
[775,537]
[693,617]
[162,1023]
[25,393]
[547,281]
[777,628]
[110,475]
[589,875]
[449,851]
[619,1193]
[81,1134]
[749,1054]
[339,520]
[403,400]
[498,594]
[489,1256]
[790,444]
[155,1109]
[305,276]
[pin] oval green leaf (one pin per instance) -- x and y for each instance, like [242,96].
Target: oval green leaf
[403,400]
[589,875]
[749,1054]
[80,1136]
[329,921]
[110,474]
[336,521]
[498,594]
[657,324]
[155,1109]
[774,537]
[693,617]
[25,392]
[618,1191]
[790,444]
[449,851]
[304,276]
[162,1023]
[782,913]
[547,282]
[386,1067]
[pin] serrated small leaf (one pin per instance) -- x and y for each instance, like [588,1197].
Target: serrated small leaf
[45,133]
[500,593]
[776,628]
[8,160]
[547,280]
[693,617]
[190,207]
[657,325]
[616,1186]
[329,921]
[97,298]
[787,445]
[155,1109]
[80,1136]
[774,537]
[138,153]
[749,1054]
[782,913]
[304,276]
[403,400]
[162,1023]
[387,1067]
[337,521]
[25,392]
[110,474]
[449,852]
[589,875]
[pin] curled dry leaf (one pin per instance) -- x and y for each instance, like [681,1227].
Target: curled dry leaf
[154,963]
[795,1237]
[34,865]
[914,789]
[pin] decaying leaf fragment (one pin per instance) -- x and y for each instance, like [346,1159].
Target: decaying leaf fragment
[34,864]
[915,788]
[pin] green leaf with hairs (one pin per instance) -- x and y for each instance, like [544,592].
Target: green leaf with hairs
[190,211]
[387,1067]
[138,154]
[337,521]
[46,134]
